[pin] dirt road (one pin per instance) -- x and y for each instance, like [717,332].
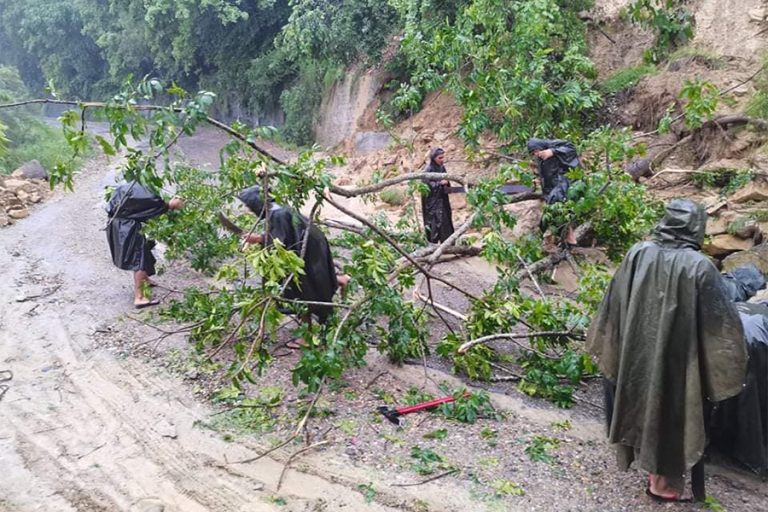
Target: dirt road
[83,430]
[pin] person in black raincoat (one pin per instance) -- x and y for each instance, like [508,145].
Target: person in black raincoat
[554,158]
[739,426]
[131,205]
[319,281]
[669,343]
[744,282]
[436,206]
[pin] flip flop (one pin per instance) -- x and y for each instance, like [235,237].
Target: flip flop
[146,304]
[666,499]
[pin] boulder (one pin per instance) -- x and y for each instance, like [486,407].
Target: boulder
[370,142]
[745,228]
[717,226]
[31,170]
[754,191]
[757,256]
[18,213]
[528,215]
[12,202]
[720,245]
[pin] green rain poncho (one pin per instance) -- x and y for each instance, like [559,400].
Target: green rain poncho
[669,339]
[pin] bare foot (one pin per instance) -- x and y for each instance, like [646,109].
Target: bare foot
[343,280]
[660,490]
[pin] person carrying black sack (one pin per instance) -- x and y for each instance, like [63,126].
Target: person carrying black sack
[554,158]
[436,206]
[130,206]
[319,281]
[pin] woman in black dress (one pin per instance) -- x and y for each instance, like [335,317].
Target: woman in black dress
[435,206]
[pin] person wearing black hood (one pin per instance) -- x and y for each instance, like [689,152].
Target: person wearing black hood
[436,206]
[130,205]
[319,281]
[555,158]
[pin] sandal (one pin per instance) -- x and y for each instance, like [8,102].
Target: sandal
[295,344]
[146,304]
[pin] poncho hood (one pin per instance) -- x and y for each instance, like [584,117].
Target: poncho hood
[252,197]
[683,225]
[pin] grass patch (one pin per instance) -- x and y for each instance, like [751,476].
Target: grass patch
[693,54]
[37,141]
[393,197]
[626,78]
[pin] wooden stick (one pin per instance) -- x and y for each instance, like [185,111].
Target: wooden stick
[293,456]
[437,477]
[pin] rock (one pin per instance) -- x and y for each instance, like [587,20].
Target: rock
[369,142]
[720,245]
[4,219]
[745,228]
[18,213]
[716,226]
[724,164]
[754,191]
[741,90]
[14,185]
[23,196]
[757,14]
[757,256]
[32,170]
[528,215]
[166,429]
[12,202]
[34,197]
[458,201]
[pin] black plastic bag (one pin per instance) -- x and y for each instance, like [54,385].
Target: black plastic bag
[739,428]
[132,204]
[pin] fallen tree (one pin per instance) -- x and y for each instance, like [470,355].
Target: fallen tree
[384,260]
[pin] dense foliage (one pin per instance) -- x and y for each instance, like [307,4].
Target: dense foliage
[23,136]
[669,20]
[518,69]
[269,55]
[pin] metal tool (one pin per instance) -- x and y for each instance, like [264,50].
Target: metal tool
[393,414]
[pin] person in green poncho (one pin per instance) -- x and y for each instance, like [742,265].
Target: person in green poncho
[669,343]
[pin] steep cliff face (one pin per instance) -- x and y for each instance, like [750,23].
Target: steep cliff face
[349,106]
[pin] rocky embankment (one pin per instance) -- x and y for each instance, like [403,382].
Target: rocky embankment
[24,187]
